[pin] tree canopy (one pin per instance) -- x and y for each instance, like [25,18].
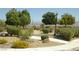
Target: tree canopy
[14,17]
[24,18]
[67,19]
[49,18]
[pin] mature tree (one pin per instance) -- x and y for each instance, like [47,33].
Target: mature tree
[24,18]
[61,22]
[50,18]
[67,19]
[12,17]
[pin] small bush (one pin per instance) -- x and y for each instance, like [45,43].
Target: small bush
[3,41]
[45,30]
[30,30]
[25,33]
[44,38]
[13,30]
[20,44]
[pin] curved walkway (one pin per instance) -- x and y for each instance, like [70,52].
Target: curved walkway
[72,45]
[51,39]
[69,46]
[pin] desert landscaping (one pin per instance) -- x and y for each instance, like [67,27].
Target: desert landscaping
[18,31]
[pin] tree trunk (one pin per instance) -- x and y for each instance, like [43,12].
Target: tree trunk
[55,30]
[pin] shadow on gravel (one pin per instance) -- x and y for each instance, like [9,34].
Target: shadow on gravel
[59,37]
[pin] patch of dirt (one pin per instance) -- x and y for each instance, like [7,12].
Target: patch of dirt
[37,44]
[32,44]
[9,41]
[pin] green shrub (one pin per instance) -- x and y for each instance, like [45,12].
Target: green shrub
[25,33]
[50,28]
[30,30]
[66,33]
[13,30]
[44,38]
[76,33]
[45,30]
[64,27]
[20,44]
[3,41]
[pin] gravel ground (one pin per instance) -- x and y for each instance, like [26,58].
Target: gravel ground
[35,44]
[10,40]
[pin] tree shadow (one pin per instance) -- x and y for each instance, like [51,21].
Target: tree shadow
[59,37]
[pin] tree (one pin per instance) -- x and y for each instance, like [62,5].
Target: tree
[61,22]
[67,19]
[24,18]
[12,17]
[50,18]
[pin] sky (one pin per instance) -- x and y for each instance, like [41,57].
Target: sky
[36,13]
